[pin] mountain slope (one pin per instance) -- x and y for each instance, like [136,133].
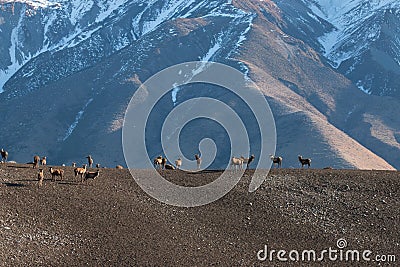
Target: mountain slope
[92,92]
[69,101]
[359,38]
[80,34]
[292,63]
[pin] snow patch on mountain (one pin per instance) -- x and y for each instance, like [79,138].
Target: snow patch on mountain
[226,36]
[78,8]
[203,64]
[174,93]
[56,13]
[35,4]
[108,7]
[13,51]
[78,38]
[167,12]
[82,22]
[350,37]
[143,23]
[72,127]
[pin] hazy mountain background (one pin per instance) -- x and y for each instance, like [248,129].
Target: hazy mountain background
[327,67]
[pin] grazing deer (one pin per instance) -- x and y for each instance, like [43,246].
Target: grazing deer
[169,167]
[92,175]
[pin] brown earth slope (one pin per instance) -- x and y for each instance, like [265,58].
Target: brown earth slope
[318,111]
[110,221]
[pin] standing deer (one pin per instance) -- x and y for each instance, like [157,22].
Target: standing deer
[247,161]
[4,155]
[236,162]
[80,171]
[40,178]
[276,160]
[36,160]
[90,161]
[56,172]
[198,161]
[158,162]
[178,163]
[304,161]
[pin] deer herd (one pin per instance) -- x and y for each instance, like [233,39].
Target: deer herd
[160,162]
[83,171]
[236,163]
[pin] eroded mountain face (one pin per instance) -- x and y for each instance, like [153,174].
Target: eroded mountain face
[358,38]
[68,72]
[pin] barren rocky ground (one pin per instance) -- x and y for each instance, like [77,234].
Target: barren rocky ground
[110,221]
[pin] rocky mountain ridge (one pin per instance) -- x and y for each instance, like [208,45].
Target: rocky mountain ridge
[74,68]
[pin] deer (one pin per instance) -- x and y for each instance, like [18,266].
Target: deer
[40,178]
[236,163]
[247,161]
[4,155]
[36,160]
[304,161]
[80,171]
[56,172]
[276,160]
[90,161]
[92,175]
[43,161]
[198,161]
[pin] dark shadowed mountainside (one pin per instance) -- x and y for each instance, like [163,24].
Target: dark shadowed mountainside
[69,71]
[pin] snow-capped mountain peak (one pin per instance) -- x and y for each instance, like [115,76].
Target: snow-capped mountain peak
[35,4]
[349,18]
